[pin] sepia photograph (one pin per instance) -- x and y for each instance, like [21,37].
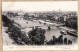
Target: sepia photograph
[45,25]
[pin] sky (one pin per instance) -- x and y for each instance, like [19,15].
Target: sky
[40,6]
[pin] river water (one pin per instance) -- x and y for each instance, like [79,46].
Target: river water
[55,31]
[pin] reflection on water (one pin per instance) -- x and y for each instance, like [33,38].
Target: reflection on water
[50,33]
[55,31]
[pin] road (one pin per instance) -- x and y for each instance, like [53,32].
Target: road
[6,39]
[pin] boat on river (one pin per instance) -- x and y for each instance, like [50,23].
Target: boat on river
[72,32]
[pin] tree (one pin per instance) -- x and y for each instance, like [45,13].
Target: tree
[15,32]
[37,36]
[72,22]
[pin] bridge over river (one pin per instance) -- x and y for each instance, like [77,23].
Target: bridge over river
[55,31]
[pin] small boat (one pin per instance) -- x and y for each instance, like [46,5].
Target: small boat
[63,32]
[72,32]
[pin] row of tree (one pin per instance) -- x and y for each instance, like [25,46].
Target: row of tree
[14,32]
[72,23]
[35,36]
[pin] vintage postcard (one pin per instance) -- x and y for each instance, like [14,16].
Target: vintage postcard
[48,25]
